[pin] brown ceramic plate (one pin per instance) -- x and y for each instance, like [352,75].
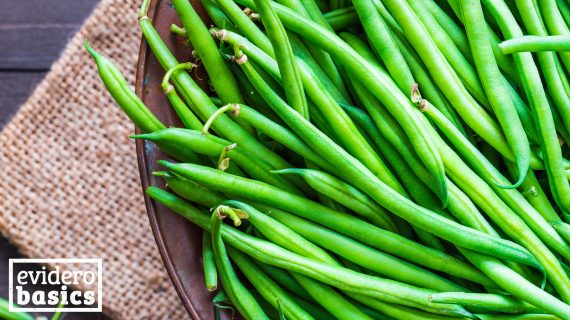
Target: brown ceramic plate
[179,242]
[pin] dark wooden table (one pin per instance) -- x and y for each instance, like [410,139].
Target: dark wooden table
[32,35]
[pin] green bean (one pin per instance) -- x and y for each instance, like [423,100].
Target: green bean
[380,239]
[383,44]
[462,66]
[342,278]
[284,57]
[280,234]
[133,107]
[120,90]
[220,76]
[210,272]
[218,16]
[494,86]
[556,79]
[346,195]
[508,220]
[540,107]
[555,24]
[349,137]
[199,101]
[564,8]
[563,229]
[188,118]
[341,19]
[484,301]
[6,314]
[535,44]
[379,84]
[365,256]
[330,299]
[267,288]
[516,285]
[358,229]
[459,204]
[417,68]
[213,146]
[285,280]
[533,193]
[239,295]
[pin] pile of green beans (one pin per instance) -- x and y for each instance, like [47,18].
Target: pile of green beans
[378,159]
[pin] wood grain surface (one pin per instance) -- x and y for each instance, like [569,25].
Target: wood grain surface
[32,35]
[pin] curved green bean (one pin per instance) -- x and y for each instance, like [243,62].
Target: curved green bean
[495,88]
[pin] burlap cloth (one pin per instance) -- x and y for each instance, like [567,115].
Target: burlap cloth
[69,184]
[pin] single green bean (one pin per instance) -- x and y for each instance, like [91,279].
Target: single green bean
[535,44]
[341,19]
[133,107]
[120,90]
[210,272]
[484,301]
[383,44]
[495,88]
[188,118]
[284,57]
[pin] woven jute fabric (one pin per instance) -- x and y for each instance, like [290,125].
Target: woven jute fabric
[69,185]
